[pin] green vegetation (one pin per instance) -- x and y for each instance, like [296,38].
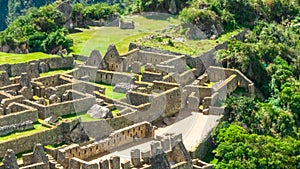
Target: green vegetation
[43,30]
[37,128]
[100,37]
[86,117]
[239,149]
[115,112]
[54,72]
[98,11]
[109,92]
[55,146]
[188,47]
[262,133]
[83,115]
[10,58]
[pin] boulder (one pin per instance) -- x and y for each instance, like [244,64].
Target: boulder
[78,135]
[33,70]
[25,80]
[124,87]
[97,111]
[27,92]
[54,99]
[39,155]
[66,8]
[4,78]
[43,67]
[10,160]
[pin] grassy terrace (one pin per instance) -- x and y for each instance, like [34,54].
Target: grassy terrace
[109,92]
[189,47]
[37,128]
[85,117]
[100,37]
[10,58]
[54,72]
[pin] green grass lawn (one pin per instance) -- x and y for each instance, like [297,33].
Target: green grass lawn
[100,37]
[84,117]
[37,128]
[109,92]
[9,58]
[54,72]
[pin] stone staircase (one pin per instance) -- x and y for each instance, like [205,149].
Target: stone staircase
[53,163]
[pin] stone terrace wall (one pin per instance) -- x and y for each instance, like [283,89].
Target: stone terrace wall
[203,61]
[113,78]
[20,117]
[49,136]
[226,87]
[154,58]
[64,108]
[12,87]
[163,86]
[53,63]
[145,57]
[137,98]
[179,63]
[216,74]
[115,139]
[103,76]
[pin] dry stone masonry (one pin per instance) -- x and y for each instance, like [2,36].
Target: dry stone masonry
[160,91]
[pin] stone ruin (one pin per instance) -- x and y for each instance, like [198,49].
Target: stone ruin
[126,24]
[99,112]
[159,89]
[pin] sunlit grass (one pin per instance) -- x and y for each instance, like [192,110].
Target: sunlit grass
[10,58]
[189,47]
[100,38]
[109,92]
[37,128]
[54,72]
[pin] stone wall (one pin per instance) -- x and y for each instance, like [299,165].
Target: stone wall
[19,117]
[63,108]
[20,48]
[53,63]
[126,24]
[179,64]
[116,139]
[49,136]
[144,57]
[151,76]
[226,87]
[184,78]
[4,79]
[18,127]
[137,98]
[113,78]
[7,101]
[216,74]
[80,57]
[207,59]
[103,76]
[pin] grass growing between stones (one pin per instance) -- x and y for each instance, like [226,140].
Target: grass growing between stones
[101,37]
[83,115]
[210,84]
[54,72]
[188,47]
[10,58]
[109,91]
[37,128]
